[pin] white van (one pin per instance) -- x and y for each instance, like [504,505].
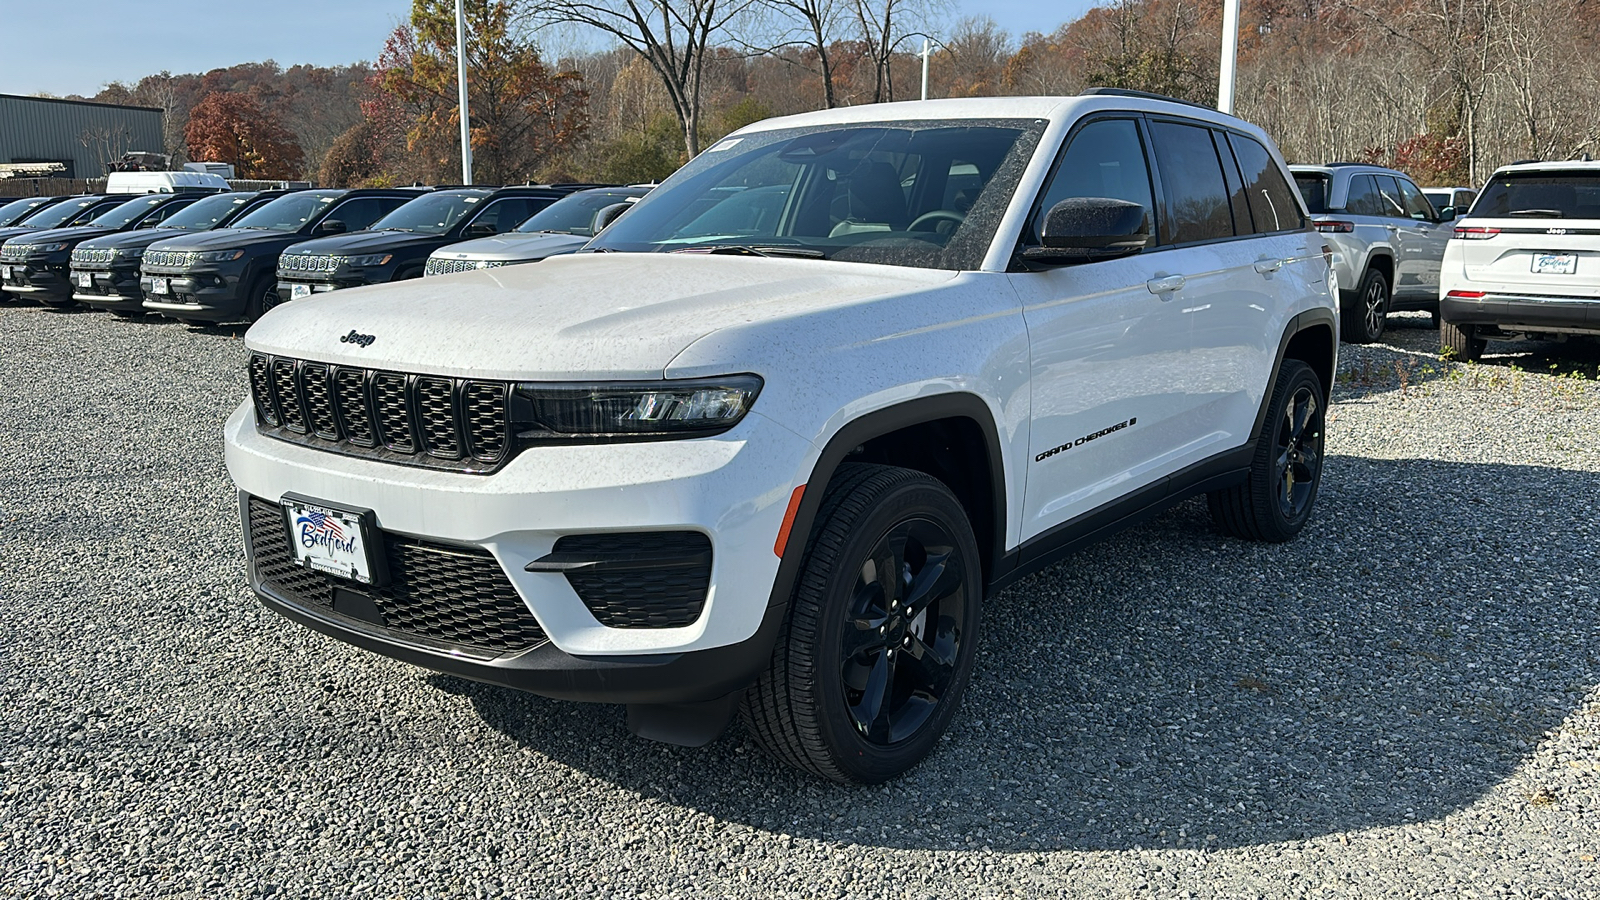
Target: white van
[163,182]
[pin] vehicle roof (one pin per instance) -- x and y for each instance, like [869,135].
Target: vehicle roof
[1055,108]
[1348,168]
[1565,165]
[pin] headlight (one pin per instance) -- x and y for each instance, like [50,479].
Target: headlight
[376,259]
[638,410]
[128,254]
[49,248]
[219,256]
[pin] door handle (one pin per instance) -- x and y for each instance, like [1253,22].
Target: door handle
[1268,266]
[1392,228]
[1165,285]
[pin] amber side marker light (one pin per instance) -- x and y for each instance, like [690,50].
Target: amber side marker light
[788,520]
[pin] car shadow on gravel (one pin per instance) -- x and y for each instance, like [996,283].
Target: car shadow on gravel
[1174,688]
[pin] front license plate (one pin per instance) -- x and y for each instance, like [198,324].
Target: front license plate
[86,281]
[299,291]
[5,273]
[159,286]
[1555,263]
[328,540]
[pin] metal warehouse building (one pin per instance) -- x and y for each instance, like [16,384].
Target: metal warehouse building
[81,135]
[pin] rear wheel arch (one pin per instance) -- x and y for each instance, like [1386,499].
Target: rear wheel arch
[1379,261]
[1311,338]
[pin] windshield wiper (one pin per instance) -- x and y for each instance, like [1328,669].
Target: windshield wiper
[1535,213]
[749,250]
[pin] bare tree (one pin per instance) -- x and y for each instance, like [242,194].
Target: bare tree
[674,37]
[816,22]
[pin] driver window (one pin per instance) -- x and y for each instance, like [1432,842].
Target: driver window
[1104,159]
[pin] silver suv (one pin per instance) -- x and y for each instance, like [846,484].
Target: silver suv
[1387,240]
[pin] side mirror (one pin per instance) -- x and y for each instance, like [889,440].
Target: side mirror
[609,214]
[1084,229]
[331,226]
[1448,214]
[481,229]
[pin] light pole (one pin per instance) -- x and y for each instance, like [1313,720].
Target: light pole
[925,51]
[461,78]
[1230,55]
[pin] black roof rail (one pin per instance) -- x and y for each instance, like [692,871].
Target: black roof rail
[1143,95]
[1523,162]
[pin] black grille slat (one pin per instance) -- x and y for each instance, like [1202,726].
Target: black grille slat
[436,417]
[483,414]
[287,392]
[641,598]
[261,390]
[421,420]
[394,413]
[319,401]
[457,595]
[350,400]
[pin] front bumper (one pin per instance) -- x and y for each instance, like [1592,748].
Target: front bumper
[210,296]
[296,289]
[108,289]
[1514,313]
[733,488]
[43,282]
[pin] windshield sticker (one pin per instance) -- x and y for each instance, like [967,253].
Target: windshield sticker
[724,145]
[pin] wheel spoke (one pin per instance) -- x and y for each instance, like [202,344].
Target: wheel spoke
[872,712]
[932,672]
[939,578]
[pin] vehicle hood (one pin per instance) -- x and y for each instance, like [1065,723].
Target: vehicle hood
[69,235]
[513,247]
[364,242]
[230,239]
[572,317]
[123,240]
[14,231]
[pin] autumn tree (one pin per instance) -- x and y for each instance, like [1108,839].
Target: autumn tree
[522,113]
[232,128]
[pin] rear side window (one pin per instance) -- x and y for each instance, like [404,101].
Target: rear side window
[1363,198]
[1272,203]
[1195,195]
[509,212]
[1541,195]
[1313,190]
[1389,201]
[1104,159]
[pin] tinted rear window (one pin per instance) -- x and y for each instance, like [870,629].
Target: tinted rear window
[1195,194]
[1541,195]
[1313,190]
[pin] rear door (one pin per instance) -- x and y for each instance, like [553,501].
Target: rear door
[1423,241]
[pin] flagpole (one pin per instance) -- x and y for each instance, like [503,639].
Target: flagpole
[461,79]
[1230,55]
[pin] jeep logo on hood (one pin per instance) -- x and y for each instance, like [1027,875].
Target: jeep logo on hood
[360,340]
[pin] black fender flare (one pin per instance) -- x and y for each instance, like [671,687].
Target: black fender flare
[1311,318]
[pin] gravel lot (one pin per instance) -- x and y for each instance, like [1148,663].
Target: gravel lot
[1406,701]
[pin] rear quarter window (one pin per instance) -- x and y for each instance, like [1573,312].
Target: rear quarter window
[1272,203]
[1313,190]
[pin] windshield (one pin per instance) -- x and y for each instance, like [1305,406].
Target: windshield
[60,214]
[926,194]
[203,215]
[124,215]
[434,213]
[17,210]
[574,213]
[1541,195]
[290,212]
[1314,190]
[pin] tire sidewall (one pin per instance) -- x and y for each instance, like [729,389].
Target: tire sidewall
[1290,381]
[863,761]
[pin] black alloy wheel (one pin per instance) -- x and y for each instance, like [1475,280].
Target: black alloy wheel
[881,630]
[1365,320]
[262,298]
[1275,500]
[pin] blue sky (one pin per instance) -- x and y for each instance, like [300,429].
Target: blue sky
[114,40]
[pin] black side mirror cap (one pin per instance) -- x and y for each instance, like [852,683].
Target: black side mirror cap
[1082,229]
[609,214]
[481,229]
[1448,214]
[331,226]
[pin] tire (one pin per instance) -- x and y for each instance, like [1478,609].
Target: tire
[1461,342]
[262,298]
[1275,501]
[1363,321]
[1433,317]
[867,711]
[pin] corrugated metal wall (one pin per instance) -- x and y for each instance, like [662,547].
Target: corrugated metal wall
[84,135]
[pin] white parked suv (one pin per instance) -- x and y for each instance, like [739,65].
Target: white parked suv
[1525,262]
[774,438]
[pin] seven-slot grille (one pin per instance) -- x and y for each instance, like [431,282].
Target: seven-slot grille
[170,259]
[15,252]
[423,420]
[438,266]
[458,595]
[306,262]
[97,257]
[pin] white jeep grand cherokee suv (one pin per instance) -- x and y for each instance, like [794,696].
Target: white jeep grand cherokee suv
[773,439]
[1525,263]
